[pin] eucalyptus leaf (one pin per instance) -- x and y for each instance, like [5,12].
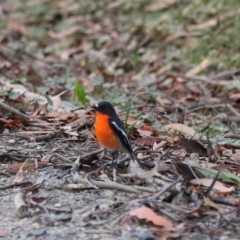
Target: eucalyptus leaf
[80,93]
[224,176]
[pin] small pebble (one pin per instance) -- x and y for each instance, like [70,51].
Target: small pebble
[39,232]
[12,141]
[145,235]
[57,205]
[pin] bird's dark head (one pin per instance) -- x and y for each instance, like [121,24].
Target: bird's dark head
[104,108]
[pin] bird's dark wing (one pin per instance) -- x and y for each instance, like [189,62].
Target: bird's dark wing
[117,126]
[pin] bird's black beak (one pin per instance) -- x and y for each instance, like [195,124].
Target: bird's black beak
[94,106]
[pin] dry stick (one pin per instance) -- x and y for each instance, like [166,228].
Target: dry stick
[20,114]
[232,135]
[212,185]
[113,185]
[190,167]
[165,189]
[238,211]
[197,78]
[41,206]
[220,105]
[14,111]
[61,157]
[228,106]
[81,159]
[233,110]
[15,185]
[58,209]
[225,74]
[89,182]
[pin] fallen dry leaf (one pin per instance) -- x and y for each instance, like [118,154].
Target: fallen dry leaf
[159,5]
[3,233]
[16,26]
[192,146]
[5,64]
[213,22]
[36,111]
[56,101]
[163,101]
[147,141]
[144,133]
[19,176]
[63,34]
[30,167]
[132,121]
[115,4]
[157,146]
[62,116]
[218,186]
[236,157]
[149,215]
[235,96]
[209,203]
[16,122]
[203,65]
[181,128]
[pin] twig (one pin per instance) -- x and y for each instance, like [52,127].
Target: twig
[58,209]
[61,157]
[165,189]
[89,182]
[232,135]
[20,114]
[225,74]
[5,174]
[112,185]
[190,167]
[221,105]
[196,78]
[212,185]
[206,106]
[90,154]
[146,189]
[41,206]
[233,110]
[15,185]
[14,111]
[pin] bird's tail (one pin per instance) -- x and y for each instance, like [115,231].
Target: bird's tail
[134,157]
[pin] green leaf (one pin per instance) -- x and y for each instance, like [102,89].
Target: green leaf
[80,93]
[224,176]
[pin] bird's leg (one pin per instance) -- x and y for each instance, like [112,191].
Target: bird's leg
[114,164]
[114,159]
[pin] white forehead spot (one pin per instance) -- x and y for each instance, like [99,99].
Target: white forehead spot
[96,105]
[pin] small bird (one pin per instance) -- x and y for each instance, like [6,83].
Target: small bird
[110,131]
